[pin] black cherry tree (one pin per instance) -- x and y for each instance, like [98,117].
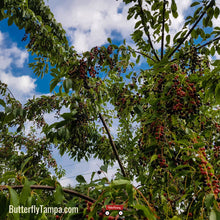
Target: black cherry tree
[168,111]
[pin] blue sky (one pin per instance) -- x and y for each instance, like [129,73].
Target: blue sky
[88,23]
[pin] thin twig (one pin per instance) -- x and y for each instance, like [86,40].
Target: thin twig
[112,144]
[211,41]
[189,32]
[146,29]
[143,54]
[163,25]
[11,93]
[71,192]
[198,48]
[144,198]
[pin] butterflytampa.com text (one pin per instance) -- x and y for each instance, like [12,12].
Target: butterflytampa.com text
[41,209]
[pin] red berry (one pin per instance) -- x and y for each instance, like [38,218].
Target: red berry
[216,191]
[100,214]
[89,204]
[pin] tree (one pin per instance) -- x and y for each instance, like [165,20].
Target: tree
[168,135]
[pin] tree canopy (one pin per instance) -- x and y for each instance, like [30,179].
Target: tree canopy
[168,112]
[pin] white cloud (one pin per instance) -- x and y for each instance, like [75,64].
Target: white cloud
[20,84]
[11,55]
[90,22]
[1,38]
[11,58]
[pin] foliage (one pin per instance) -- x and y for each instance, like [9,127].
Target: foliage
[168,112]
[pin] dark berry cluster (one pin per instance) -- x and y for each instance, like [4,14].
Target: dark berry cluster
[162,161]
[216,151]
[206,170]
[183,98]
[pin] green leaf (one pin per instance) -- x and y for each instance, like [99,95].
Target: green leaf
[59,195]
[58,124]
[146,211]
[213,215]
[67,85]
[92,176]
[80,179]
[49,29]
[104,168]
[14,201]
[174,9]
[109,40]
[129,189]
[4,204]
[137,24]
[120,182]
[194,4]
[138,59]
[43,217]
[166,27]
[26,192]
[2,102]
[217,93]
[69,115]
[10,21]
[212,51]
[168,39]
[209,199]
[216,63]
[25,162]
[154,157]
[53,84]
[216,12]
[175,218]
[175,14]
[138,109]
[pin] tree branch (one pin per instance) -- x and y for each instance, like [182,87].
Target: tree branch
[189,32]
[146,30]
[197,48]
[71,192]
[113,145]
[211,41]
[163,24]
[143,54]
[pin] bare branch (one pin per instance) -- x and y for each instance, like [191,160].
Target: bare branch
[146,29]
[189,32]
[143,54]
[198,48]
[163,24]
[113,145]
[211,41]
[71,192]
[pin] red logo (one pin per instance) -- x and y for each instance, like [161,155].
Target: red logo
[114,207]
